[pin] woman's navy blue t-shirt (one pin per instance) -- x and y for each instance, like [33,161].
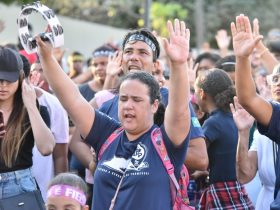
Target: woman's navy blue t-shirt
[221,131]
[146,182]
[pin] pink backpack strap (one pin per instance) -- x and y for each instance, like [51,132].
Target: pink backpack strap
[109,141]
[178,190]
[162,152]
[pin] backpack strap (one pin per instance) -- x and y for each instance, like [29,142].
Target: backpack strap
[178,190]
[109,141]
[162,152]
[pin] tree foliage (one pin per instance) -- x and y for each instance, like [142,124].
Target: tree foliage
[130,14]
[14,1]
[160,13]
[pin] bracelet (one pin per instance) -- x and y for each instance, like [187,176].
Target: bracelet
[263,52]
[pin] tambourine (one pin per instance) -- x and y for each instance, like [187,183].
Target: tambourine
[55,36]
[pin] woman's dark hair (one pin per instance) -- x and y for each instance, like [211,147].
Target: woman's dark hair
[69,179]
[205,116]
[226,63]
[206,56]
[26,66]
[154,91]
[218,85]
[148,34]
[209,56]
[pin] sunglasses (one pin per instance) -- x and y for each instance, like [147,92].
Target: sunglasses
[273,79]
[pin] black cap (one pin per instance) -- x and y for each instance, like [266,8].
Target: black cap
[10,64]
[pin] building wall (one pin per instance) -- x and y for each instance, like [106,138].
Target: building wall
[78,35]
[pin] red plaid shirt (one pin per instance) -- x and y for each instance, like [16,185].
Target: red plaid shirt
[225,195]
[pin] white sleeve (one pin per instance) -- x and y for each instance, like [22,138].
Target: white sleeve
[58,116]
[60,125]
[256,138]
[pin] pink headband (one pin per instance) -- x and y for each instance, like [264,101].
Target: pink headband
[67,191]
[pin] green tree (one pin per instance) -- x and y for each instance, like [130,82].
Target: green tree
[14,1]
[161,12]
[129,14]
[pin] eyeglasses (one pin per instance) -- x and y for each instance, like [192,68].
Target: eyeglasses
[273,79]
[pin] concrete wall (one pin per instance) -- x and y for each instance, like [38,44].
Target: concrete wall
[79,35]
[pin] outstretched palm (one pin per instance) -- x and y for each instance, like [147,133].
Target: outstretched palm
[177,49]
[242,118]
[242,37]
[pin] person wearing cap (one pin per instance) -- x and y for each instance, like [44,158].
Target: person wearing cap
[23,124]
[57,162]
[265,112]
[139,99]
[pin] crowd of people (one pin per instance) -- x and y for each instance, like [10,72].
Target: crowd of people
[85,136]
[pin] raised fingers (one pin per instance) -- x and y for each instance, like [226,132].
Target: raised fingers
[247,24]
[183,28]
[232,109]
[238,23]
[236,103]
[177,27]
[170,29]
[256,28]
[233,29]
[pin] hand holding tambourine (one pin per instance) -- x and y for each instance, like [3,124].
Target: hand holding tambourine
[54,34]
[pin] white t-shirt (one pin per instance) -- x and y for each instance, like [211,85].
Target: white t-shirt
[263,146]
[43,166]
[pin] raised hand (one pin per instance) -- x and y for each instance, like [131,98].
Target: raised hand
[192,69]
[260,47]
[256,27]
[34,79]
[44,48]
[177,48]
[114,67]
[222,38]
[28,94]
[242,37]
[241,117]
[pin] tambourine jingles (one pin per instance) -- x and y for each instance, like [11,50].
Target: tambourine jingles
[55,36]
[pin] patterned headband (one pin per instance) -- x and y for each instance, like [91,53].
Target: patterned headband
[143,38]
[102,53]
[67,191]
